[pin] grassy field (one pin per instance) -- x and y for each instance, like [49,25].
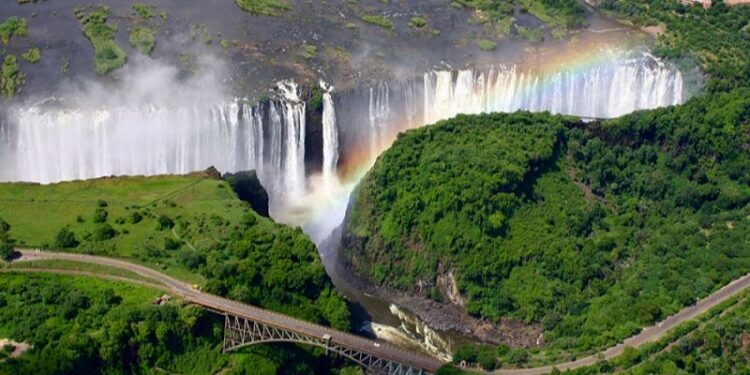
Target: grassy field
[67,265]
[198,209]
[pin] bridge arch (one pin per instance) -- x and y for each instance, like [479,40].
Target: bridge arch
[242,332]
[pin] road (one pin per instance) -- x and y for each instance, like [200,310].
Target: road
[646,335]
[383,350]
[219,304]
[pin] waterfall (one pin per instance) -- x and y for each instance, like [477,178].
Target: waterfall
[294,139]
[379,111]
[330,135]
[42,143]
[602,91]
[58,144]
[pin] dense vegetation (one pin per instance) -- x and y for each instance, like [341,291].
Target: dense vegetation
[11,78]
[194,228]
[633,219]
[722,346]
[108,55]
[86,326]
[143,34]
[717,38]
[7,243]
[12,26]
[32,55]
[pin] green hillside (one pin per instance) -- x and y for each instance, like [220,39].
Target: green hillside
[196,229]
[592,230]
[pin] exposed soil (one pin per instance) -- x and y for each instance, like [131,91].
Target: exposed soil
[18,347]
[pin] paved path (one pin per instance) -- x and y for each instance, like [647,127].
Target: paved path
[223,305]
[383,350]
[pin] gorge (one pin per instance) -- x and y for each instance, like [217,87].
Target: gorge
[66,140]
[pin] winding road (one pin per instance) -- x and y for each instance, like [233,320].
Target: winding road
[223,305]
[226,306]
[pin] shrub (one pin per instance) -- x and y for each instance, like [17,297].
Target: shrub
[104,232]
[11,78]
[417,22]
[486,45]
[108,56]
[171,243]
[143,38]
[164,222]
[100,215]
[13,26]
[65,239]
[143,10]
[136,217]
[7,244]
[32,55]
[263,7]
[378,20]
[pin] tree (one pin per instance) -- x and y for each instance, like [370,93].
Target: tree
[65,239]
[7,244]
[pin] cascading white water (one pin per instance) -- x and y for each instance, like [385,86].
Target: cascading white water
[330,135]
[294,139]
[601,91]
[50,145]
[379,111]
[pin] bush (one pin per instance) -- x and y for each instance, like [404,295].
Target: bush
[108,56]
[100,215]
[486,45]
[263,7]
[11,78]
[32,55]
[144,11]
[104,232]
[164,222]
[136,217]
[518,357]
[465,353]
[143,38]
[171,243]
[417,22]
[65,239]
[378,20]
[12,26]
[7,244]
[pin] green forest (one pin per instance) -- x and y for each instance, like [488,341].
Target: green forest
[194,228]
[81,325]
[592,230]
[716,39]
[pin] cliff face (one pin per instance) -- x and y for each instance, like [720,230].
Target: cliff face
[248,188]
[313,129]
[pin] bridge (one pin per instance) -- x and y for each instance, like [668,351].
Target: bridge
[246,325]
